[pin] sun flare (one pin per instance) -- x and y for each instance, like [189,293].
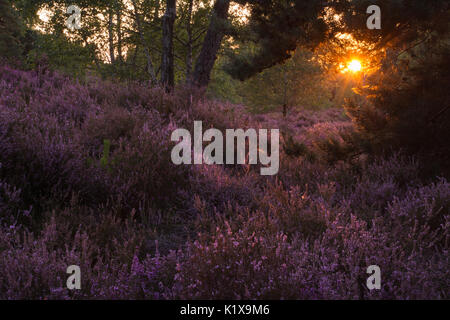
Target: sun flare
[354,66]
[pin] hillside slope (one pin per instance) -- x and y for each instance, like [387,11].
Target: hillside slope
[86,178]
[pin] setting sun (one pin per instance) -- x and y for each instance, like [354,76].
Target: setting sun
[354,66]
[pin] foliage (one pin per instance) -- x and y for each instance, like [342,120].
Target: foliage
[86,176]
[275,29]
[404,108]
[10,32]
[297,82]
[146,229]
[60,54]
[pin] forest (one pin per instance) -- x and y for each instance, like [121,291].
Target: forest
[349,100]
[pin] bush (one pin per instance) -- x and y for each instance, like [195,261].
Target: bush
[405,109]
[86,178]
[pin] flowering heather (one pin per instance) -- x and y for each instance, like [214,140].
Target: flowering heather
[86,179]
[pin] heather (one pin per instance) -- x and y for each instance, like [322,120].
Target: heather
[86,178]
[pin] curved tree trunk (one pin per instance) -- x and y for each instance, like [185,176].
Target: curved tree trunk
[211,43]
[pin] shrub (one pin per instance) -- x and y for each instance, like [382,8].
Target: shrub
[86,178]
[405,109]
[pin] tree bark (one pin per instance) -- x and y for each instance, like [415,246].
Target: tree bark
[111,37]
[119,31]
[167,60]
[211,43]
[150,68]
[189,43]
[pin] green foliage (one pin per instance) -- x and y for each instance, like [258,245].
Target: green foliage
[407,107]
[275,30]
[10,32]
[223,87]
[105,161]
[300,81]
[296,149]
[66,56]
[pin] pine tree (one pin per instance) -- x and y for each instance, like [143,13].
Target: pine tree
[10,32]
[276,29]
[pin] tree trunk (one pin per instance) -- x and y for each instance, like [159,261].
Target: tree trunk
[167,67]
[111,37]
[189,43]
[150,69]
[119,31]
[211,43]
